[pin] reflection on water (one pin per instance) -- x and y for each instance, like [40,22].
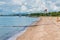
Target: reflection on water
[9,21]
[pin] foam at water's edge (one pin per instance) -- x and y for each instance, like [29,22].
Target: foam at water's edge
[16,35]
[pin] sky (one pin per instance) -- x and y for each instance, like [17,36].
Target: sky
[22,6]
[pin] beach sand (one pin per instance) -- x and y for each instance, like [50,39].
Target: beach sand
[47,28]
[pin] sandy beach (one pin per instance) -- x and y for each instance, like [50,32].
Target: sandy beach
[47,28]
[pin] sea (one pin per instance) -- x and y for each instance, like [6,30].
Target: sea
[11,25]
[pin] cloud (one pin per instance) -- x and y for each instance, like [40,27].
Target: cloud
[1,3]
[18,2]
[32,5]
[37,5]
[23,8]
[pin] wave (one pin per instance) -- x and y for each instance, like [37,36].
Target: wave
[16,35]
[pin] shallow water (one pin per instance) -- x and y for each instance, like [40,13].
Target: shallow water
[7,22]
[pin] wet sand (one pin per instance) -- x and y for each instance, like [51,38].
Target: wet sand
[47,28]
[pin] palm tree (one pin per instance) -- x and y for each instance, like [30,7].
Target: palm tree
[45,11]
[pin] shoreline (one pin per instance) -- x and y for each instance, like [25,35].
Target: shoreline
[47,29]
[14,37]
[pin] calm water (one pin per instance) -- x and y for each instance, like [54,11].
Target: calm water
[7,23]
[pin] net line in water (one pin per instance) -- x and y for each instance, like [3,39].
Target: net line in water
[8,35]
[20,26]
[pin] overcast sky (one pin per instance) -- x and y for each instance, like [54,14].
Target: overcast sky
[15,6]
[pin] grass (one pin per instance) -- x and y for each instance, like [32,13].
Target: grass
[44,14]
